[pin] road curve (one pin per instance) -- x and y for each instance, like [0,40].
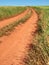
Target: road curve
[14,47]
[12,19]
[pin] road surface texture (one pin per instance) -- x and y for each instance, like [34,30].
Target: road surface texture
[14,47]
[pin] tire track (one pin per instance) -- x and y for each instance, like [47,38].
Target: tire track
[16,45]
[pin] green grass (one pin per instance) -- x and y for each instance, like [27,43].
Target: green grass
[38,54]
[8,11]
[7,29]
[43,25]
[35,56]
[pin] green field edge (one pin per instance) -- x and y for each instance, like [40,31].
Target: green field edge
[10,11]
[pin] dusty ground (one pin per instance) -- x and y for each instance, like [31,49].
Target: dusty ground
[14,47]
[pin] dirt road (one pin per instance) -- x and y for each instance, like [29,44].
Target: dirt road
[14,47]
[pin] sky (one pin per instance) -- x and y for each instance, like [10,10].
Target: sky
[24,2]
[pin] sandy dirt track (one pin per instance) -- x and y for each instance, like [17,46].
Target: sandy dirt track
[14,47]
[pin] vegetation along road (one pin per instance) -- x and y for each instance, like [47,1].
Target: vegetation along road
[14,47]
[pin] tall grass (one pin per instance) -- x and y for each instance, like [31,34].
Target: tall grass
[38,53]
[8,11]
[43,25]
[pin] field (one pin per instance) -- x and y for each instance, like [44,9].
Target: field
[24,38]
[8,11]
[39,53]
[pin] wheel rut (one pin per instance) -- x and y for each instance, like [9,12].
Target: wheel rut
[14,47]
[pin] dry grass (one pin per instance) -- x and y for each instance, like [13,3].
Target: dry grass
[9,11]
[38,54]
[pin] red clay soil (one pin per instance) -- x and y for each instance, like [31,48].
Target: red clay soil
[12,19]
[14,47]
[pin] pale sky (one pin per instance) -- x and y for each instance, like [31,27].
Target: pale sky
[23,2]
